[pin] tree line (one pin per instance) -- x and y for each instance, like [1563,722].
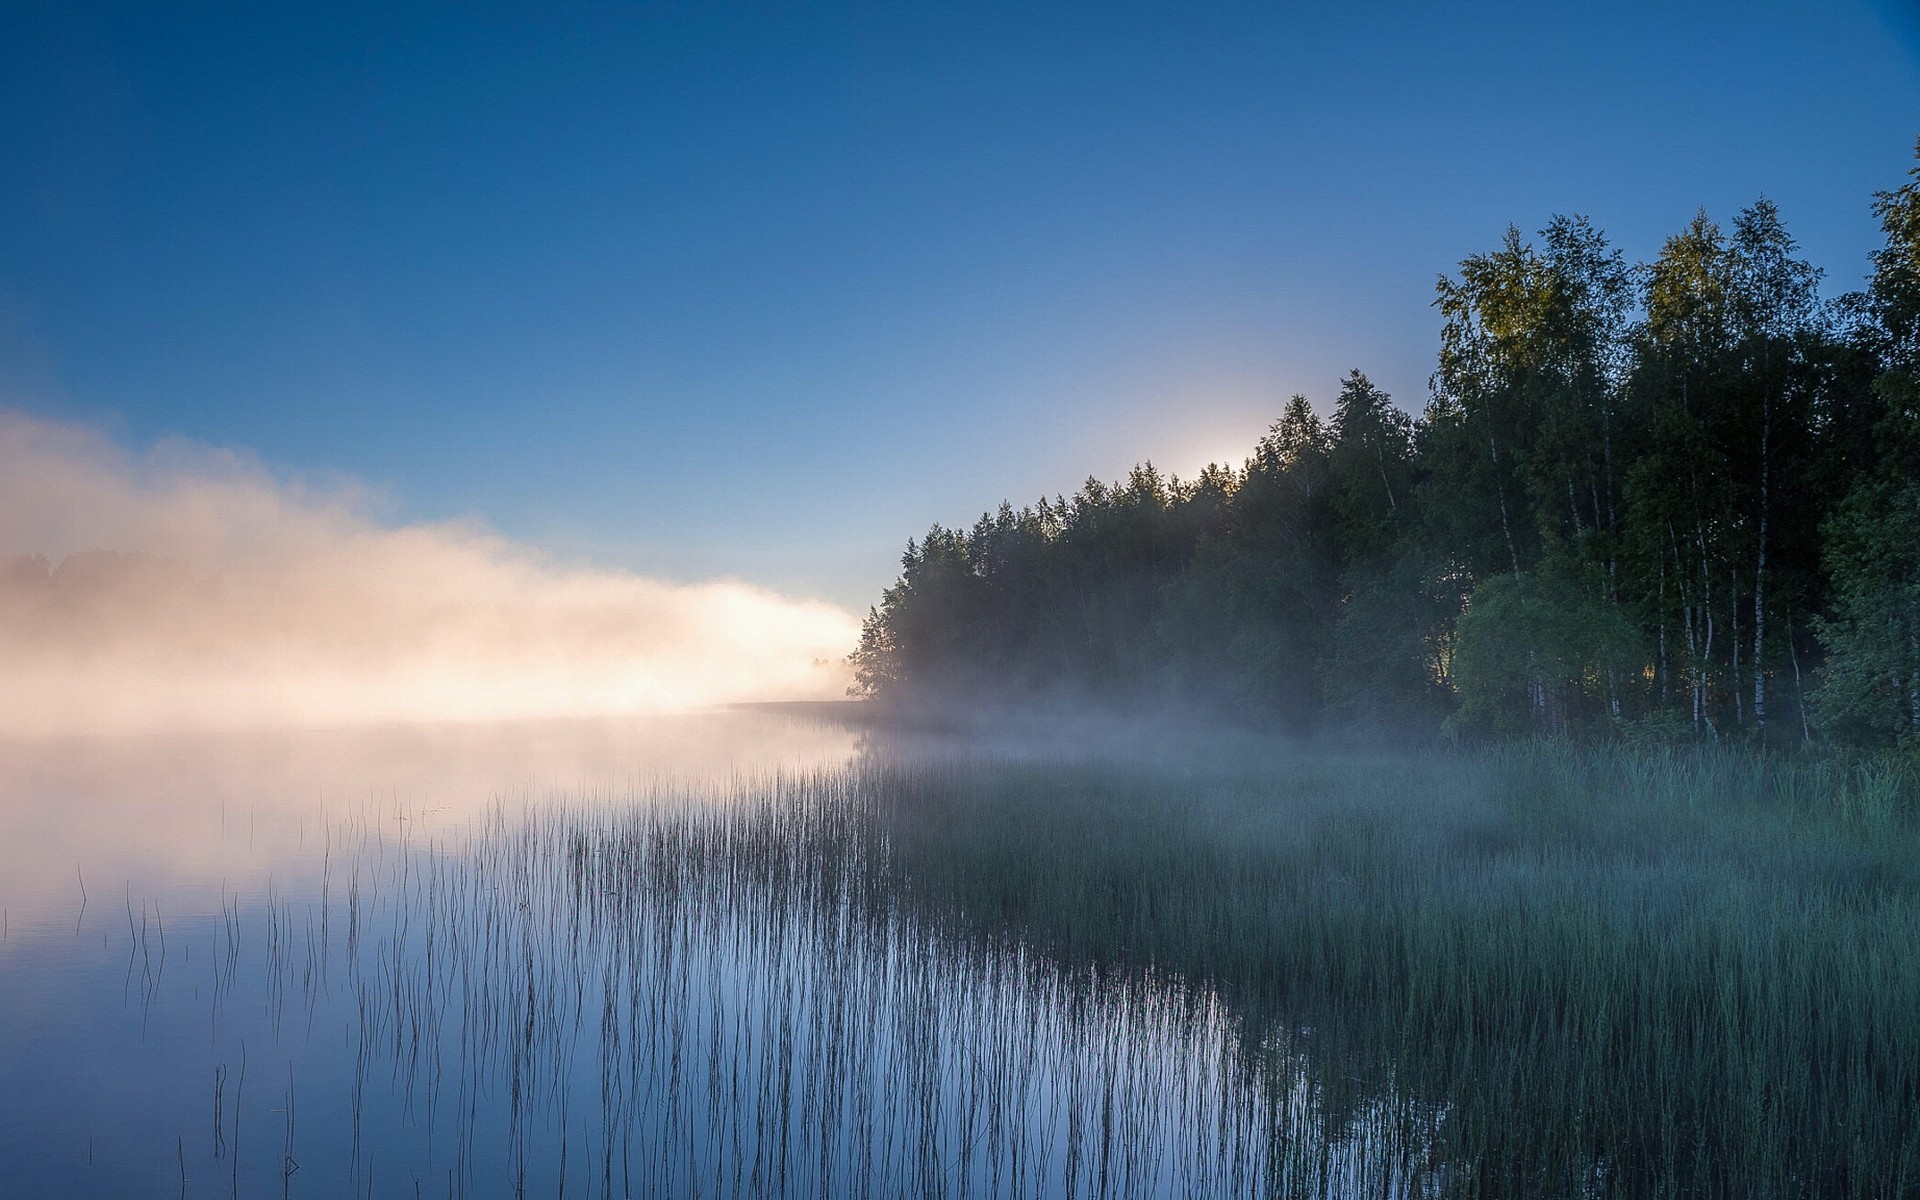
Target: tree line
[1679,498]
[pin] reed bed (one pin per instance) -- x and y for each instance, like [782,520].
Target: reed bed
[1528,971]
[723,996]
[1653,974]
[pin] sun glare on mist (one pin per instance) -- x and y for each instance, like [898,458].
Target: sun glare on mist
[189,585]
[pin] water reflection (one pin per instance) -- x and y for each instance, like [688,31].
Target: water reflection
[185,818]
[671,963]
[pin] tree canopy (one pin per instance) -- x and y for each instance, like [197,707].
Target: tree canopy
[1680,496]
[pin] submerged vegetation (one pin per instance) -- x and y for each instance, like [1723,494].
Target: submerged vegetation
[1679,497]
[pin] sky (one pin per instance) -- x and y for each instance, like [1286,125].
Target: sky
[759,292]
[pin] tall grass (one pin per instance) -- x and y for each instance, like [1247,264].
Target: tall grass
[1532,971]
[721,996]
[1685,974]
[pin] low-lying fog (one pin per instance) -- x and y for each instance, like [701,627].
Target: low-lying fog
[187,585]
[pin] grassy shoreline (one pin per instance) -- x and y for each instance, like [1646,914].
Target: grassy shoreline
[1615,972]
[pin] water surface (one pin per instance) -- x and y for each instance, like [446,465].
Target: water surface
[618,958]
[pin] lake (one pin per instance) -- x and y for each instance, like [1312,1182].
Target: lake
[589,958]
[760,952]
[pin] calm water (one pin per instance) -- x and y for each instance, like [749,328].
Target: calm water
[594,959]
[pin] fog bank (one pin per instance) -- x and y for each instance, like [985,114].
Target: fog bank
[186,585]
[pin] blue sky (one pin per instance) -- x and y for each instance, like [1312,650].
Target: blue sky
[763,290]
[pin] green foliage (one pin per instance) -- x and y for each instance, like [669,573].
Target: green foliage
[1540,655]
[1388,664]
[1872,688]
[1676,495]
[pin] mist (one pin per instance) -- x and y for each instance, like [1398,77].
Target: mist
[185,585]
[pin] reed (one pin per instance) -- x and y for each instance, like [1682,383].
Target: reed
[1648,974]
[1531,970]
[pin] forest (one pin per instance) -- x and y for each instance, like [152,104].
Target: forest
[1658,502]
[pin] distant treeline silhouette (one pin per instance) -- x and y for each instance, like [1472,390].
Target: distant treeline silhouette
[1671,499]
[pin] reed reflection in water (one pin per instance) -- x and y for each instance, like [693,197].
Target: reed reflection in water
[711,992]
